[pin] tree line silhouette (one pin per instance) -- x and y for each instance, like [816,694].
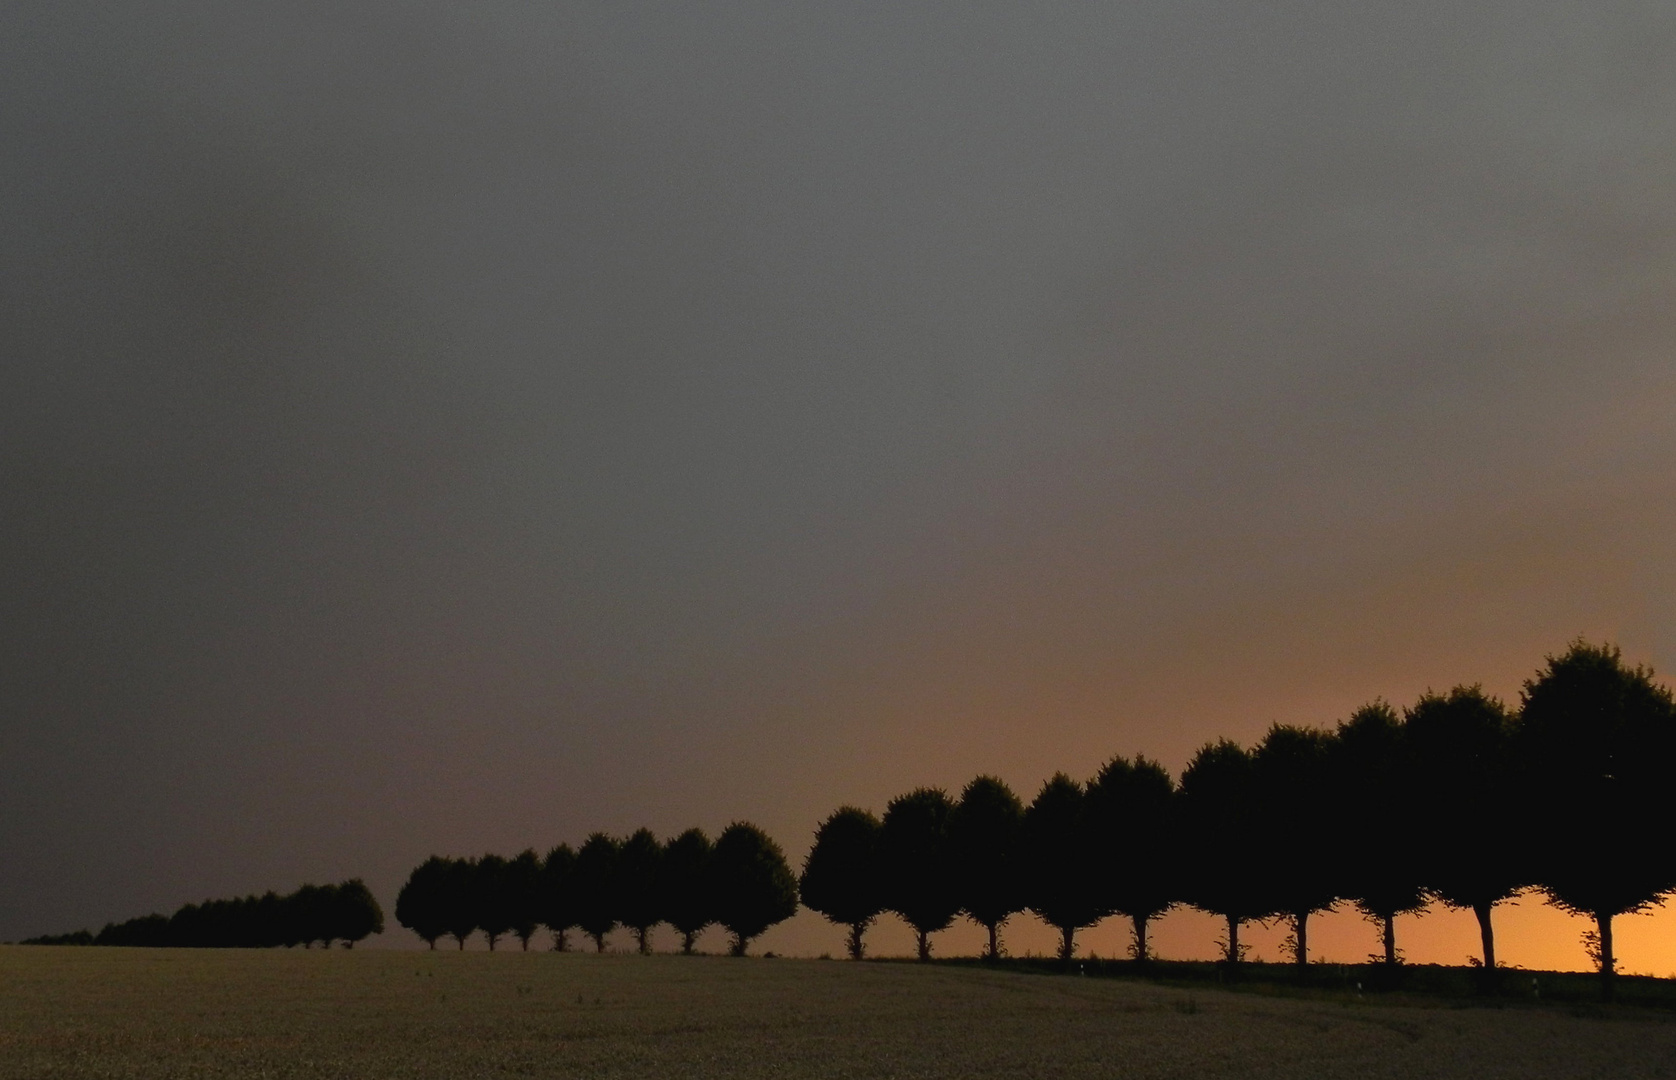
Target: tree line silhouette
[1458,799]
[741,883]
[345,913]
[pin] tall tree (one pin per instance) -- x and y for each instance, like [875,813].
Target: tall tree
[523,886]
[559,912]
[356,913]
[684,883]
[917,861]
[1302,841]
[1597,739]
[459,899]
[1061,885]
[1377,796]
[594,885]
[491,897]
[1222,868]
[1472,815]
[418,905]
[841,877]
[752,885]
[1130,816]
[639,903]
[984,830]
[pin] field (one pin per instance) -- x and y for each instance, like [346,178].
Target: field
[86,1012]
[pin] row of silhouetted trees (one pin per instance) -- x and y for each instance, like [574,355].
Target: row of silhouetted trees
[314,913]
[1458,798]
[741,883]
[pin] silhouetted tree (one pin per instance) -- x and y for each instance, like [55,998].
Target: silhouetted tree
[684,886]
[1598,740]
[639,901]
[752,885]
[984,830]
[1060,882]
[1376,800]
[594,884]
[1472,815]
[491,898]
[918,863]
[1302,841]
[308,915]
[458,899]
[356,913]
[841,876]
[147,931]
[558,894]
[1222,871]
[1132,842]
[523,887]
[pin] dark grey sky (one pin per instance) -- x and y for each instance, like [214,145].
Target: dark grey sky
[435,427]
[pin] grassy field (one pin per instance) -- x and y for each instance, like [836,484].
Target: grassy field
[85,1012]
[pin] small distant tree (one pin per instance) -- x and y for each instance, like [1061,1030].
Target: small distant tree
[684,887]
[1302,840]
[1222,869]
[1377,799]
[594,884]
[1130,807]
[985,827]
[1061,885]
[639,903]
[523,887]
[491,899]
[1598,739]
[752,885]
[841,877]
[1470,809]
[356,913]
[559,911]
[918,863]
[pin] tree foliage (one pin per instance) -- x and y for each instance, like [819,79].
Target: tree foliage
[1597,740]
[918,863]
[1474,815]
[841,875]
[985,831]
[1130,807]
[752,885]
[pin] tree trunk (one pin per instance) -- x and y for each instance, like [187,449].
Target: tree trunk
[491,938]
[643,935]
[994,941]
[433,944]
[740,944]
[689,941]
[1300,932]
[1608,963]
[924,945]
[854,944]
[1067,943]
[599,942]
[1389,935]
[1141,954]
[1489,936]
[461,938]
[1233,956]
[561,941]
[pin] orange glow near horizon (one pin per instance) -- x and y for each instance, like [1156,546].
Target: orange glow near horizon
[1530,934]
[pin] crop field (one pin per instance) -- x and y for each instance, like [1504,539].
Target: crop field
[92,1012]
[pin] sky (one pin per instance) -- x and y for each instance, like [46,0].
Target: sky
[435,428]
